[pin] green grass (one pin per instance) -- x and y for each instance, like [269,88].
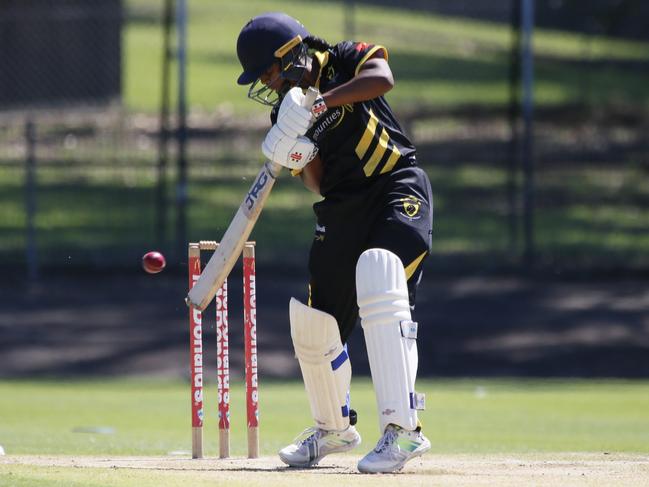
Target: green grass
[545,422]
[150,417]
[583,214]
[436,60]
[96,197]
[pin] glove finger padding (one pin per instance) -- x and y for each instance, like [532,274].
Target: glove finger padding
[295,123]
[271,142]
[294,118]
[291,152]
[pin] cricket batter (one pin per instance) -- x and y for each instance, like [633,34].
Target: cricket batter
[372,235]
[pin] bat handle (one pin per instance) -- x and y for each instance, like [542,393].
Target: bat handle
[311,95]
[273,168]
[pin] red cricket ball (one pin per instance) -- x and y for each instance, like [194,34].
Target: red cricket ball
[153,262]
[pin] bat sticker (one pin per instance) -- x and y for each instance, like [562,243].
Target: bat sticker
[253,194]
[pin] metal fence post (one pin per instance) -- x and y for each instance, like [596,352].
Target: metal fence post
[163,142]
[349,12]
[30,200]
[514,116]
[181,184]
[527,72]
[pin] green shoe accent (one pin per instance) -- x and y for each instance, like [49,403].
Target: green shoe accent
[406,444]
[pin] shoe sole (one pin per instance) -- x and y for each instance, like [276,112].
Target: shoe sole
[316,460]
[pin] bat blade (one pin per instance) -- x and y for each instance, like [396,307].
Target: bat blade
[226,254]
[231,245]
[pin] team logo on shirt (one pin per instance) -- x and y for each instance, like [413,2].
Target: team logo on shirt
[410,207]
[327,122]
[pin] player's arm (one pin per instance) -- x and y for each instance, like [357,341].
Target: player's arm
[311,175]
[373,79]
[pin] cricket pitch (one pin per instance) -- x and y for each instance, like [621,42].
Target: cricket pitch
[539,469]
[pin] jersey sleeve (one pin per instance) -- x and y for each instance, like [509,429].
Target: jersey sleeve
[354,54]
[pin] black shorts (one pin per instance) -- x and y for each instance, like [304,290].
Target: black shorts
[396,214]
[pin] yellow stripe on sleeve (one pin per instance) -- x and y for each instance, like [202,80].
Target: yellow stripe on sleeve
[367,137]
[376,156]
[392,160]
[369,55]
[412,267]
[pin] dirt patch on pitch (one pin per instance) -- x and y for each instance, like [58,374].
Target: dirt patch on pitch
[501,470]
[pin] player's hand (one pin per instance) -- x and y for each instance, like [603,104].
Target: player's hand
[293,118]
[291,152]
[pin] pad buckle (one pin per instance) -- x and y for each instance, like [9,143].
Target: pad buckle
[418,401]
[408,329]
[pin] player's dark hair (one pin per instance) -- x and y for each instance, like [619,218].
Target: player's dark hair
[317,43]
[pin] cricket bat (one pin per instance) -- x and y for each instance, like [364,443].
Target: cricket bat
[232,242]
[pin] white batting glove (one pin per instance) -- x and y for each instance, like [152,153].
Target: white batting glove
[291,152]
[293,118]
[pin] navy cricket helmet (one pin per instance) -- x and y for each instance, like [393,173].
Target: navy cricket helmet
[268,38]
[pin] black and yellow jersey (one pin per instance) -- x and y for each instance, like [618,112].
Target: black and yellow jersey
[357,143]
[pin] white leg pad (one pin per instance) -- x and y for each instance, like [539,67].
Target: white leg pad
[390,336]
[325,365]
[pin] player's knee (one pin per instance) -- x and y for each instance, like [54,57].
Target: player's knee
[390,334]
[381,286]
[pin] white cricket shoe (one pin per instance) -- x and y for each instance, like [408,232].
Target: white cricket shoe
[314,443]
[393,450]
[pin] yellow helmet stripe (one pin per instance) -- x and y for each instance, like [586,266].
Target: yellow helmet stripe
[288,46]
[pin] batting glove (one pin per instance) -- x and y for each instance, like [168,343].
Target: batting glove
[293,117]
[291,152]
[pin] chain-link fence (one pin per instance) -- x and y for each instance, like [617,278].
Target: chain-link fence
[87,180]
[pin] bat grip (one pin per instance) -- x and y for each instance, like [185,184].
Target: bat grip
[311,95]
[273,168]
